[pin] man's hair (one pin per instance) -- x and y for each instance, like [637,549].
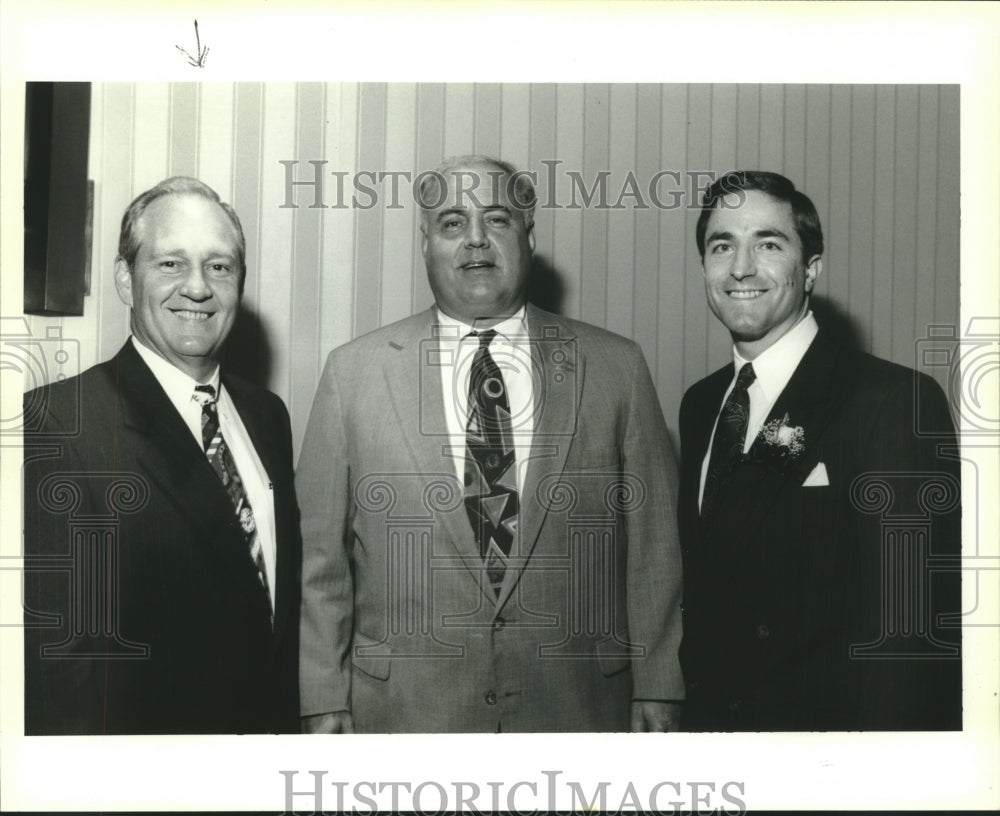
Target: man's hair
[803,212]
[129,240]
[432,191]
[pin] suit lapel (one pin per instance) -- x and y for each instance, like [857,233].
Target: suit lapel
[559,369]
[170,457]
[701,409]
[705,413]
[262,438]
[409,371]
[251,415]
[810,400]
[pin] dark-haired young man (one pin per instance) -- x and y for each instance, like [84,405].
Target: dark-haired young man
[816,524]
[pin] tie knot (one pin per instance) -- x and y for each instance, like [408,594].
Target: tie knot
[485,338]
[746,377]
[204,394]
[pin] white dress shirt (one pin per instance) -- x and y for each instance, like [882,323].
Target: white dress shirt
[774,368]
[180,390]
[511,351]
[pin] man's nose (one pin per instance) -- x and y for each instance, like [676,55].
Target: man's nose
[475,235]
[743,263]
[195,285]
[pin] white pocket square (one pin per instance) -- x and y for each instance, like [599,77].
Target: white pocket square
[818,477]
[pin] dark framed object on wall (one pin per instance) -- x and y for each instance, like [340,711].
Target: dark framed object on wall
[58,199]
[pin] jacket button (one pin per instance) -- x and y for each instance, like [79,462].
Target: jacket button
[735,705]
[499,624]
[763,631]
[491,698]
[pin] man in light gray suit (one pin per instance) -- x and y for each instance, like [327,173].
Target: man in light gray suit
[488,500]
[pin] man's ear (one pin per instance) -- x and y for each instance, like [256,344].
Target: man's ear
[531,237]
[123,281]
[813,270]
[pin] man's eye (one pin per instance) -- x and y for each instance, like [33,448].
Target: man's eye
[219,268]
[498,221]
[452,223]
[168,264]
[771,246]
[718,249]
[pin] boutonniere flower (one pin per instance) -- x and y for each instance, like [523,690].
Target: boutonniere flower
[782,441]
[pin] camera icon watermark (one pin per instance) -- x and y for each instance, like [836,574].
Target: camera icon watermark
[549,361]
[33,362]
[972,363]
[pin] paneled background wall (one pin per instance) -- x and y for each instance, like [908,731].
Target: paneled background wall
[880,162]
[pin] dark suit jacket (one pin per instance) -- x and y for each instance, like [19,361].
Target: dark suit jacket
[124,513]
[782,581]
[399,623]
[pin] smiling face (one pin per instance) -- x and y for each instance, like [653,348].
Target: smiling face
[756,279]
[184,288]
[477,248]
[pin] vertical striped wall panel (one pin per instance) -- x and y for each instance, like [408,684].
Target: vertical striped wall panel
[880,162]
[676,274]
[336,273]
[567,223]
[696,321]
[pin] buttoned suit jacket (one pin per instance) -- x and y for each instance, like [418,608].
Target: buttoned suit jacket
[399,623]
[826,607]
[123,509]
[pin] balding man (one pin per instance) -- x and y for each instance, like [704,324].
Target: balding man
[488,496]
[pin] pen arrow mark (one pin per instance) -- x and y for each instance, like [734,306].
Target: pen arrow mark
[202,53]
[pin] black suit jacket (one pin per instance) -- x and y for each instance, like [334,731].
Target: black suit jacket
[144,613]
[825,608]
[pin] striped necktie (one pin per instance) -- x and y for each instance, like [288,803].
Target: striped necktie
[221,460]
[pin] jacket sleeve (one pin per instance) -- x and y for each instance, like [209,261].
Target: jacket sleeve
[911,564]
[654,554]
[63,693]
[323,485]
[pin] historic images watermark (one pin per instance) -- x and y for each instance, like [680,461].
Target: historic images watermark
[552,794]
[88,559]
[562,188]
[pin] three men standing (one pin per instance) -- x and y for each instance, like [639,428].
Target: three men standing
[489,526]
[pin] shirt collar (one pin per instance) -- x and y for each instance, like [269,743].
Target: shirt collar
[775,365]
[178,385]
[508,328]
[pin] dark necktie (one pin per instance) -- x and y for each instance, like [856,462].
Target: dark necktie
[221,460]
[491,498]
[730,435]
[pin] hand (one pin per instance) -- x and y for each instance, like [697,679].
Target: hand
[337,722]
[655,715]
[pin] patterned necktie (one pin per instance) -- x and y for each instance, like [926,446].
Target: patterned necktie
[730,435]
[491,498]
[221,460]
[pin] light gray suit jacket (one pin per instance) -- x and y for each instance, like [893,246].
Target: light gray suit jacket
[399,623]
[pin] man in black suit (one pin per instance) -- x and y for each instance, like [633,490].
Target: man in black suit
[161,526]
[820,529]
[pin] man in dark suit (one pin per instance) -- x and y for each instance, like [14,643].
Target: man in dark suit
[820,530]
[161,526]
[488,504]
